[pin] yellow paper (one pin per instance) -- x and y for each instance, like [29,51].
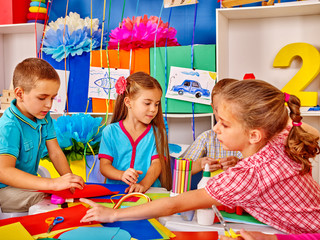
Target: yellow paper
[14,231]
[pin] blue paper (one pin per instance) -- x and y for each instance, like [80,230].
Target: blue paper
[96,233]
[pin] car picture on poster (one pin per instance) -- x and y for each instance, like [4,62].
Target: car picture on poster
[191,85]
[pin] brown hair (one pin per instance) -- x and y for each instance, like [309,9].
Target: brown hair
[136,82]
[259,105]
[220,85]
[29,71]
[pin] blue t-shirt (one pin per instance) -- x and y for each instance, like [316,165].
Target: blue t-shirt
[23,138]
[118,146]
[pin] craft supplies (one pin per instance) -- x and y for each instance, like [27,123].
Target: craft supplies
[181,175]
[227,231]
[52,221]
[205,216]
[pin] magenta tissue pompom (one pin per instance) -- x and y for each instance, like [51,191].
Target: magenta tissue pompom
[141,32]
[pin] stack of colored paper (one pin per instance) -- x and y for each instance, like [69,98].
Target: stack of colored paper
[182,175]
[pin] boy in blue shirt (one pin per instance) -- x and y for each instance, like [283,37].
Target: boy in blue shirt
[25,129]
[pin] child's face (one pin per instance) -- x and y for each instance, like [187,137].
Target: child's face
[145,106]
[229,130]
[37,103]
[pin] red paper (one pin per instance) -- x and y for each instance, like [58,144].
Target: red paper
[196,235]
[108,200]
[35,224]
[91,190]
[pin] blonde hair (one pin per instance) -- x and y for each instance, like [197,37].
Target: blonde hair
[29,71]
[136,82]
[259,105]
[220,85]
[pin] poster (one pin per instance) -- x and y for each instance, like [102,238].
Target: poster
[177,3]
[101,85]
[191,85]
[59,102]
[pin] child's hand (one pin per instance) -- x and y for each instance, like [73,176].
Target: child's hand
[130,176]
[97,212]
[213,163]
[66,181]
[137,187]
[228,162]
[251,236]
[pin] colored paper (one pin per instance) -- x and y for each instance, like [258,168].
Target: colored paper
[212,235]
[35,224]
[204,59]
[96,233]
[139,62]
[141,229]
[91,190]
[14,231]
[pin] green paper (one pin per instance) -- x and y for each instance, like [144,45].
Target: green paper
[204,59]
[244,218]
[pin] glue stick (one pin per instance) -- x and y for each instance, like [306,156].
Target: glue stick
[205,216]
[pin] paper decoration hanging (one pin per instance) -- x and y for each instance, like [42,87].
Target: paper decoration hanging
[140,32]
[191,85]
[101,85]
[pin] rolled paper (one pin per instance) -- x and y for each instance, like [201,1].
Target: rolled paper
[37,10]
[43,1]
[36,4]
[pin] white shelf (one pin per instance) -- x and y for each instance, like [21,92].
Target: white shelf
[17,42]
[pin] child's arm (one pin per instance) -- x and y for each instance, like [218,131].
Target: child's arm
[130,176]
[14,177]
[196,199]
[150,177]
[57,157]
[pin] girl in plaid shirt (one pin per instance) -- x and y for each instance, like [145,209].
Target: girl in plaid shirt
[272,182]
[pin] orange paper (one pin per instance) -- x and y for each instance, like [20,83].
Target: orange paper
[140,61]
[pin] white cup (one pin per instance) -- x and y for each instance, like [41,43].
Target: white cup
[205,216]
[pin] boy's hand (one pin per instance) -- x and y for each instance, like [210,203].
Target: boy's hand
[130,176]
[137,187]
[66,181]
[98,212]
[213,163]
[228,162]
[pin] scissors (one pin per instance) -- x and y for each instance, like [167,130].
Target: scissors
[52,221]
[228,232]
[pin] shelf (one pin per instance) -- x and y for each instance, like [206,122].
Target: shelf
[19,28]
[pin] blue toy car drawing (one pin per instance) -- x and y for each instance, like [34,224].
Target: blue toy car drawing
[192,87]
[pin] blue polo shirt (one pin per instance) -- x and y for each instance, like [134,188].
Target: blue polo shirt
[118,146]
[23,138]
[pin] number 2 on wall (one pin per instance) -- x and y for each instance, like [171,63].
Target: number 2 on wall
[309,70]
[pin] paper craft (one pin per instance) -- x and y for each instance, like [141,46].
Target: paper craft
[14,231]
[101,85]
[141,229]
[35,224]
[191,85]
[96,233]
[59,102]
[89,190]
[212,235]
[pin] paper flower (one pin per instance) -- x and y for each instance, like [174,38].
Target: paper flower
[72,39]
[140,32]
[75,131]
[121,85]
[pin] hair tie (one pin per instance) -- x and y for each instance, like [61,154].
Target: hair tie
[296,124]
[286,97]
[121,85]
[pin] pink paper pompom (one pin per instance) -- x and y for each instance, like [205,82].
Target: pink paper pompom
[121,85]
[140,32]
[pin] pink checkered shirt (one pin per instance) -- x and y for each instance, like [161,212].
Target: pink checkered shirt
[269,187]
